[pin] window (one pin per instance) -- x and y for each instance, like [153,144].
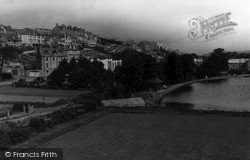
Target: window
[47,65]
[53,59]
[109,64]
[47,59]
[54,65]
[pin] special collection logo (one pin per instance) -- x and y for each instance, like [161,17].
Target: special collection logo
[210,28]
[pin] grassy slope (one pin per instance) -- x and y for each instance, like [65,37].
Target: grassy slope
[158,136]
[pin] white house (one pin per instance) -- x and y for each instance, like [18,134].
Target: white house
[236,64]
[30,36]
[110,63]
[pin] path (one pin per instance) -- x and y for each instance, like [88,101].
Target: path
[37,112]
[162,93]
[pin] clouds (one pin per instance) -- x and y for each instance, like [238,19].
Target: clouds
[161,20]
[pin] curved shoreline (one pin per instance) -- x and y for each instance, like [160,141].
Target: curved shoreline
[161,94]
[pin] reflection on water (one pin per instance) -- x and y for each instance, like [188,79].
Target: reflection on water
[231,94]
[182,90]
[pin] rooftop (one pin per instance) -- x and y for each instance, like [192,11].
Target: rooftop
[242,60]
[51,52]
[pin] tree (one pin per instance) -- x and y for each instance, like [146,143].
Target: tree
[130,74]
[58,76]
[187,67]
[72,64]
[7,53]
[214,65]
[96,72]
[171,68]
[38,62]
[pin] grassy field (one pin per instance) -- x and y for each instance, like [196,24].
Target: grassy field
[158,136]
[8,90]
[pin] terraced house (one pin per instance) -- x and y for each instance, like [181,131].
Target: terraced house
[68,30]
[30,37]
[50,59]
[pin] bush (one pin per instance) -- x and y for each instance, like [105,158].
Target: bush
[59,103]
[61,116]
[90,105]
[37,124]
[6,76]
[5,141]
[18,107]
[19,134]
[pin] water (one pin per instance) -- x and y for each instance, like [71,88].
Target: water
[230,94]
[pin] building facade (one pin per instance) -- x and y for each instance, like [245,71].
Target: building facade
[110,63]
[72,54]
[29,37]
[61,30]
[43,31]
[237,64]
[51,59]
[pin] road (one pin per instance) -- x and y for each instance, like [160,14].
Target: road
[157,136]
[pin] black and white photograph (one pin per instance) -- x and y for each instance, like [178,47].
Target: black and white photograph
[125,79]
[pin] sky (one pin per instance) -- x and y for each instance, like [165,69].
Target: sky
[152,20]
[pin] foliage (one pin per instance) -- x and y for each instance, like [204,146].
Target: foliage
[6,76]
[90,105]
[38,64]
[7,53]
[5,141]
[19,134]
[57,77]
[214,65]
[37,124]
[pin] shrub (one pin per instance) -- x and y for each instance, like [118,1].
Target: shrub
[19,106]
[37,124]
[6,76]
[90,105]
[59,102]
[19,134]
[61,116]
[68,114]
[5,141]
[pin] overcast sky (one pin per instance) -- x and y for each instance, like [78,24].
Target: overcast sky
[158,20]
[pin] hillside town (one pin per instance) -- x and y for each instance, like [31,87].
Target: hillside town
[64,42]
[118,80]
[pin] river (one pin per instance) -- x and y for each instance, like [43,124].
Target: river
[232,94]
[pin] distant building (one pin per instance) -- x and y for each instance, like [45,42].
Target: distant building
[29,37]
[43,31]
[162,45]
[15,68]
[198,61]
[6,29]
[68,30]
[51,59]
[237,64]
[72,54]
[110,63]
[147,46]
[8,36]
